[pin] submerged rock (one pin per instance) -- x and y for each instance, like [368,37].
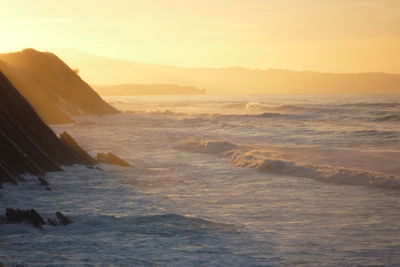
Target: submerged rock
[110,158]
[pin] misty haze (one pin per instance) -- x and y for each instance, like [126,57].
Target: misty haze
[200,133]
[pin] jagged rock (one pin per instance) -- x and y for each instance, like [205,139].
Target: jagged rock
[27,144]
[28,216]
[79,151]
[62,219]
[52,222]
[33,217]
[110,158]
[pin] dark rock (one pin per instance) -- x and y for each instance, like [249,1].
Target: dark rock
[62,219]
[33,218]
[28,216]
[52,222]
[110,158]
[42,180]
[78,150]
[27,144]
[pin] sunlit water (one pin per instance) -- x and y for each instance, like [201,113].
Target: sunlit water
[253,196]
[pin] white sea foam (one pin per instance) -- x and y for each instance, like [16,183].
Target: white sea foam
[192,209]
[264,160]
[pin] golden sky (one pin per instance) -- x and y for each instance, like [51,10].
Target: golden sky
[321,35]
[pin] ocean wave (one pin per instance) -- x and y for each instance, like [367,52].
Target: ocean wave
[151,225]
[263,160]
[258,107]
[377,133]
[171,113]
[235,106]
[388,118]
[185,222]
[212,116]
[275,115]
[264,115]
[157,225]
[374,105]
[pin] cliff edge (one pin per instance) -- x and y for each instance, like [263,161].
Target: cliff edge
[54,90]
[27,144]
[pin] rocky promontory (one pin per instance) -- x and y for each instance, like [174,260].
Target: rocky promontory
[54,90]
[27,144]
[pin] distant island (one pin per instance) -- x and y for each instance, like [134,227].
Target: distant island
[146,89]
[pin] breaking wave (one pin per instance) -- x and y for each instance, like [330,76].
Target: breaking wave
[250,157]
[262,107]
[258,107]
[267,115]
[274,115]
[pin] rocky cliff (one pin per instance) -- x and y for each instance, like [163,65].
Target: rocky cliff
[54,90]
[27,144]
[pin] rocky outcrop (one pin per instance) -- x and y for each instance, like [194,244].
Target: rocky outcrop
[33,218]
[27,144]
[24,216]
[54,90]
[60,219]
[110,158]
[76,148]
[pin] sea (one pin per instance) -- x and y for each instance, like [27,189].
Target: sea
[222,180]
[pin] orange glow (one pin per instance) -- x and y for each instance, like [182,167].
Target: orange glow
[333,36]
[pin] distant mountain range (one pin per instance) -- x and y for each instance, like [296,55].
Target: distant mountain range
[55,91]
[102,70]
[146,89]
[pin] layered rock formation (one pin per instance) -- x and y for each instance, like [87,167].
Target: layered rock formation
[110,158]
[79,151]
[54,90]
[27,144]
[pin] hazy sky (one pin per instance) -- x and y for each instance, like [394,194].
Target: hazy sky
[323,35]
